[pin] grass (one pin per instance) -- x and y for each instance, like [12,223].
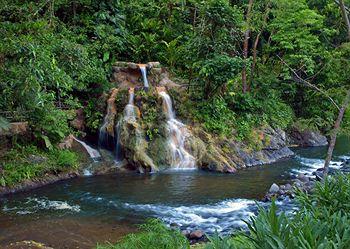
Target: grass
[30,162]
[153,234]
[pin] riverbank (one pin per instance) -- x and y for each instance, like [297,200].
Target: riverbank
[193,200]
[28,167]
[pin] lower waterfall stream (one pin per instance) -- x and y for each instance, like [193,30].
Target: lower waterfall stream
[181,158]
[88,210]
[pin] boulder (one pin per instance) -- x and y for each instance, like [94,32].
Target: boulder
[274,188]
[274,148]
[16,128]
[196,235]
[306,138]
[303,177]
[186,233]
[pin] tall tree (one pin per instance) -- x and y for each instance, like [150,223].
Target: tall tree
[246,47]
[344,105]
[345,16]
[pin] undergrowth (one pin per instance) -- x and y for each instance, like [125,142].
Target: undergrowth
[29,162]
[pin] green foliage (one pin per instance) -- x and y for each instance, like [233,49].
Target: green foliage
[217,72]
[57,56]
[65,159]
[150,111]
[215,116]
[52,60]
[29,162]
[294,32]
[320,223]
[153,234]
[4,124]
[51,126]
[236,242]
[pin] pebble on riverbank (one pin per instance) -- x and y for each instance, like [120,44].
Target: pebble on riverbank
[302,182]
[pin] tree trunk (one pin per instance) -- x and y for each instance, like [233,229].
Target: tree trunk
[256,42]
[335,132]
[345,16]
[245,56]
[255,49]
[245,48]
[343,107]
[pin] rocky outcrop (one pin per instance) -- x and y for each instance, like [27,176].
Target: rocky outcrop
[145,139]
[132,139]
[306,138]
[16,128]
[79,121]
[128,74]
[209,156]
[274,148]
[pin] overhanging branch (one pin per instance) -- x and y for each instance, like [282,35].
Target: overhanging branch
[305,82]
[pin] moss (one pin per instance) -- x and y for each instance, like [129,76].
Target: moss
[159,151]
[121,100]
[151,112]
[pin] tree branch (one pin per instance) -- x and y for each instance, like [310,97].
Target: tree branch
[309,84]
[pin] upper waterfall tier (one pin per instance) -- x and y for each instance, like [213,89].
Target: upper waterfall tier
[144,75]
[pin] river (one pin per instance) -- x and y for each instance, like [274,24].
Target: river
[81,212]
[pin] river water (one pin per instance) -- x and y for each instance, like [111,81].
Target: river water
[81,212]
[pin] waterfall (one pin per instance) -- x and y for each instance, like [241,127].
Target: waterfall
[129,111]
[106,130]
[181,158]
[129,115]
[144,75]
[94,154]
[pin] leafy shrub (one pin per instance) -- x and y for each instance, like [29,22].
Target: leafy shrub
[322,221]
[19,165]
[153,234]
[236,242]
[64,159]
[216,116]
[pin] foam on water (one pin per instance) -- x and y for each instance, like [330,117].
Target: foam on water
[312,164]
[87,172]
[222,216]
[34,205]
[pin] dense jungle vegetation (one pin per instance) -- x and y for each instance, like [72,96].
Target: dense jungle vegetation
[245,63]
[237,56]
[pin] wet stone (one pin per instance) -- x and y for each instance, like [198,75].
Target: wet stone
[274,188]
[197,234]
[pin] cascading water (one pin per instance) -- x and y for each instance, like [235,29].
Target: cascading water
[105,138]
[144,75]
[181,158]
[94,154]
[129,115]
[129,111]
